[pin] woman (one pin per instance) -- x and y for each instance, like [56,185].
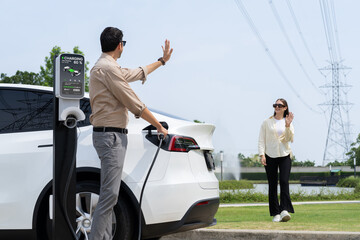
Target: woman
[274,151]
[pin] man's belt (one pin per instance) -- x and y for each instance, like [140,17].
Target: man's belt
[110,129]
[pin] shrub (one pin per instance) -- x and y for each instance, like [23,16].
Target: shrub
[242,197]
[293,175]
[250,196]
[357,189]
[349,182]
[234,185]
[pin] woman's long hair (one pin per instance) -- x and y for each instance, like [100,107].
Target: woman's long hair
[284,102]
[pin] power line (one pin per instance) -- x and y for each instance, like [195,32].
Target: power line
[329,31]
[326,31]
[279,21]
[242,9]
[301,34]
[335,28]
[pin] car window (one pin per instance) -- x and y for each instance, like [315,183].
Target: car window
[25,110]
[31,110]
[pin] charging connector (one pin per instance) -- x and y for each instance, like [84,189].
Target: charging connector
[70,121]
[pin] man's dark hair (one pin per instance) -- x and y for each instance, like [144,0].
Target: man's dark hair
[110,39]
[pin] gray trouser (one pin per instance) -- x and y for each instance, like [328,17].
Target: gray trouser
[111,149]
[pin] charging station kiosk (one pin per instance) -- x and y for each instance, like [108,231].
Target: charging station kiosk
[69,88]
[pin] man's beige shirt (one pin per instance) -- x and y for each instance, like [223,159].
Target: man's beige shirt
[111,95]
[273,145]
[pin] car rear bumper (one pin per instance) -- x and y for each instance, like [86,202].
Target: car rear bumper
[200,214]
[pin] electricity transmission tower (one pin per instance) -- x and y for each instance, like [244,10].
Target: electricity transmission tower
[338,135]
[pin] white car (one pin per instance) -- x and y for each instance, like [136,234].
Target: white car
[182,192]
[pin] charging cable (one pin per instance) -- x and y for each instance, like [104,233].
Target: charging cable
[161,138]
[64,206]
[67,186]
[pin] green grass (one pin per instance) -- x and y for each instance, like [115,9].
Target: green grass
[325,217]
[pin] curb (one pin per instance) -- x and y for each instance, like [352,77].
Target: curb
[229,234]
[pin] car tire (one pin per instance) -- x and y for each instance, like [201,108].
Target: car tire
[123,222]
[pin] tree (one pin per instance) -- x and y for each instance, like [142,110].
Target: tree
[47,71]
[337,163]
[45,76]
[307,163]
[354,153]
[251,161]
[22,77]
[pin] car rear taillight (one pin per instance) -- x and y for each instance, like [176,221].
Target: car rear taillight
[182,144]
[172,143]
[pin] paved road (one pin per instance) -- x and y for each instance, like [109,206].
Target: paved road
[222,234]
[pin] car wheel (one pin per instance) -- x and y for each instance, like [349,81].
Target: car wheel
[87,195]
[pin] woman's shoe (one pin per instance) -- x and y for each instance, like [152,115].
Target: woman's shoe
[285,216]
[276,218]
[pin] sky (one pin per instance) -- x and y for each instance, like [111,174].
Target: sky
[219,73]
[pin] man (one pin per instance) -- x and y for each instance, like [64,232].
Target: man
[111,97]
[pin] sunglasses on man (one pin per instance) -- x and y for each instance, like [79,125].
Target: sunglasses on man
[123,43]
[278,105]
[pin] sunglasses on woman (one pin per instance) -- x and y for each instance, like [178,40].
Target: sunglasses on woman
[278,105]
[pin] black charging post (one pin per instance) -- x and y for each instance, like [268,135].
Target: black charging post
[69,85]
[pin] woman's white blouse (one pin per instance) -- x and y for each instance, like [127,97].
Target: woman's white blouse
[270,143]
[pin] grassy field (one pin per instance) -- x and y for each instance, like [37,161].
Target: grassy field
[326,217]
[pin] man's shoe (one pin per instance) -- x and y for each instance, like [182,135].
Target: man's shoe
[285,216]
[276,218]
